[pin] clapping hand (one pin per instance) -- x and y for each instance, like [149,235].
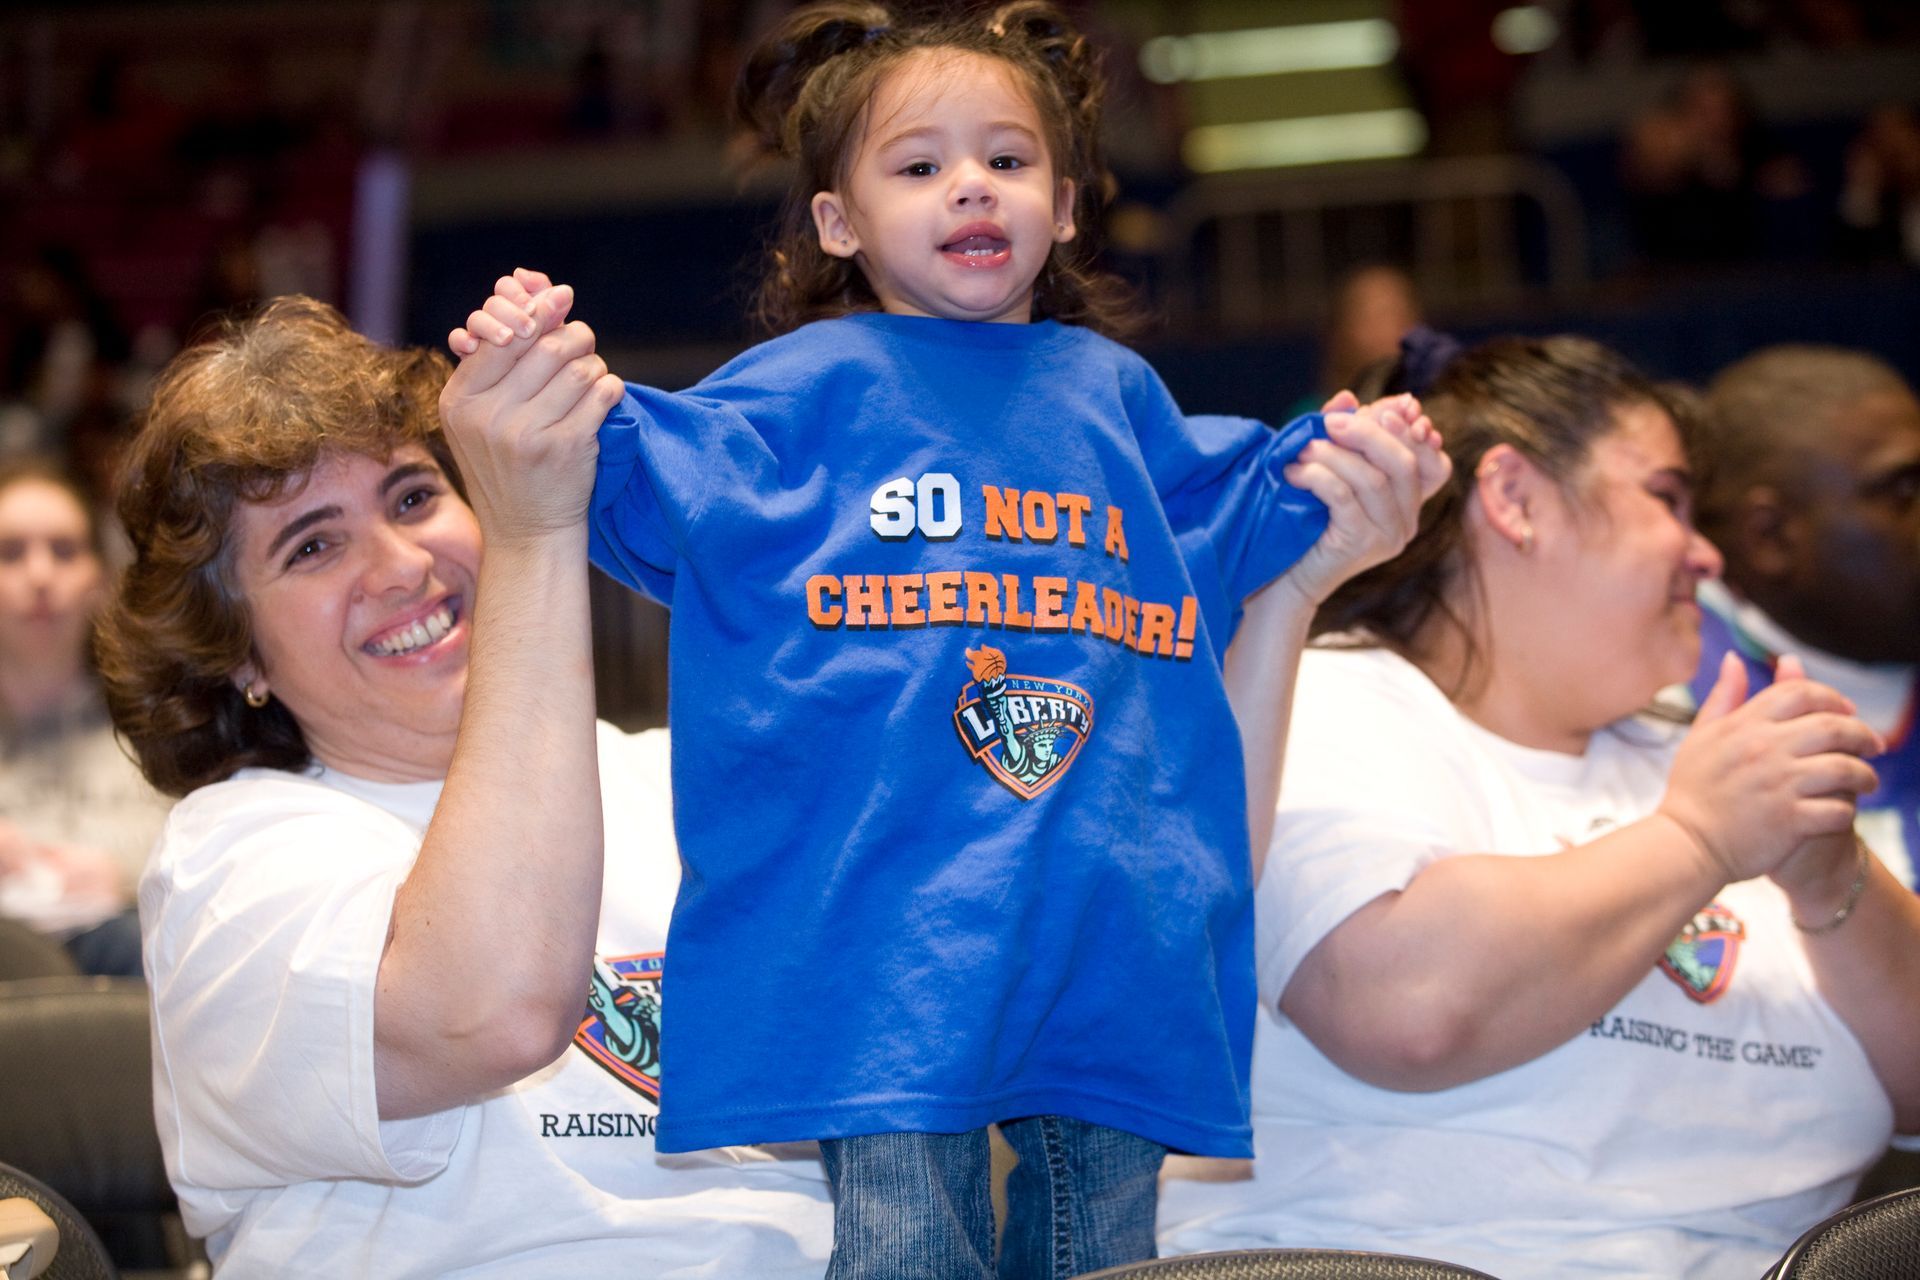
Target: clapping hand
[1767,785]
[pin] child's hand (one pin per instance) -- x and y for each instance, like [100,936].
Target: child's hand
[523,410]
[1378,465]
[1402,416]
[508,314]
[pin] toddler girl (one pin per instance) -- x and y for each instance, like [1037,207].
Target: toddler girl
[957,783]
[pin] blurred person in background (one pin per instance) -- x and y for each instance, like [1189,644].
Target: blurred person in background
[76,818]
[64,354]
[1812,493]
[1880,200]
[1706,182]
[1374,306]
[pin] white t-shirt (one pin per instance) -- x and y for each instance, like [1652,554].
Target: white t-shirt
[1695,1130]
[64,779]
[264,911]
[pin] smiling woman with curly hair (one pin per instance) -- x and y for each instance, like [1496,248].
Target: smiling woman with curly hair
[394,980]
[241,419]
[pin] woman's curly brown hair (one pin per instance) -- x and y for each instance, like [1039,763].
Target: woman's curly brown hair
[803,96]
[242,417]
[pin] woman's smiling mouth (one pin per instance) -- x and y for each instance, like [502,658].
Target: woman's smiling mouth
[414,636]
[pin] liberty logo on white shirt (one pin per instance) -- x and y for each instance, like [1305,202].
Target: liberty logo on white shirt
[1701,959]
[621,1031]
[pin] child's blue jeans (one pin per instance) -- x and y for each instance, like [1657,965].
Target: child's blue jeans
[918,1206]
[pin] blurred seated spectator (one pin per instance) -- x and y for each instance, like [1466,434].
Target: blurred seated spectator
[65,347]
[1880,202]
[235,136]
[1812,493]
[229,286]
[1705,182]
[1374,306]
[76,818]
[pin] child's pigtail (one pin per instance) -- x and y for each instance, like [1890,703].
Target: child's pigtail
[1069,287]
[1074,65]
[791,103]
[767,96]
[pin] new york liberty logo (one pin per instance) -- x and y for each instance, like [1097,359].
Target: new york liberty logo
[621,1031]
[1025,730]
[1701,959]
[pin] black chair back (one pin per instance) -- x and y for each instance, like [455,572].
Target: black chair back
[76,1107]
[80,1256]
[26,954]
[1290,1264]
[1877,1239]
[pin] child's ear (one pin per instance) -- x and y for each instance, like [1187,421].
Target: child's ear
[837,237]
[1063,228]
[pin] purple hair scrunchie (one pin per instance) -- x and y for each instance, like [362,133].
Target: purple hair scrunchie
[1424,355]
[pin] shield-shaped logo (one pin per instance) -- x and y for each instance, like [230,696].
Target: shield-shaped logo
[1701,959]
[1026,730]
[621,1031]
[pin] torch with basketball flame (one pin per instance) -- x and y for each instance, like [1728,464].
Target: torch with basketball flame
[1026,758]
[986,663]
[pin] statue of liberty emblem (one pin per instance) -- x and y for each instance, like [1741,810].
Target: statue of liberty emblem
[621,1029]
[1025,730]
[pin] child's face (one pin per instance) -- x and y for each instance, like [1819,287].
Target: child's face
[950,206]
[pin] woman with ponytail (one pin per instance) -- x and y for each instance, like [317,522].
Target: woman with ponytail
[1550,987]
[955,765]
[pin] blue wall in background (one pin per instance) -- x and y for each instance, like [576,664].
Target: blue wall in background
[681,277]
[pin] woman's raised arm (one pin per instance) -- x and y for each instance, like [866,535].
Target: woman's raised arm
[506,890]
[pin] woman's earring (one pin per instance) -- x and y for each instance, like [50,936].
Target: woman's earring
[1526,540]
[256,697]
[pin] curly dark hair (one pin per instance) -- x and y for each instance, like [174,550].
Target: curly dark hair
[803,95]
[244,416]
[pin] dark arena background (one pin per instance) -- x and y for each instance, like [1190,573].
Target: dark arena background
[1299,181]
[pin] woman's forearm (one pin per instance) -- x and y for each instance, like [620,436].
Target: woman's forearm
[506,892]
[1424,988]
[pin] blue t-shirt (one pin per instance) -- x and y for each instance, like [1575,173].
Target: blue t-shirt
[956,784]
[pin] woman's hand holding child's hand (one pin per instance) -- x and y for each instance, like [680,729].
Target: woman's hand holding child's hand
[1379,463]
[524,407]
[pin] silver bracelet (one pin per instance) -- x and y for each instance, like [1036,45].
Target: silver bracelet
[1853,896]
